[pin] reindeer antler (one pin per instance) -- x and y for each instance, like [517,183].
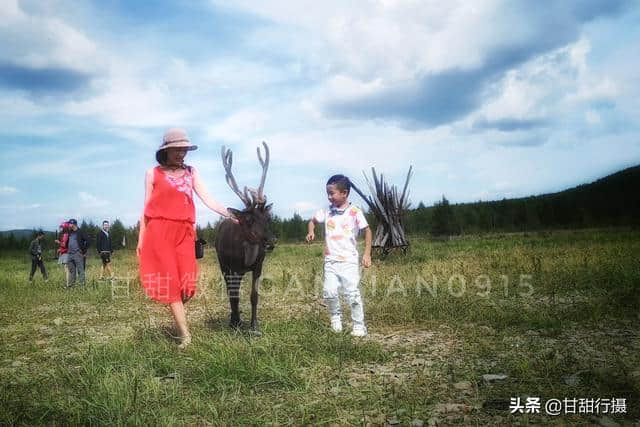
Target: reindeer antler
[257,196]
[227,162]
[265,165]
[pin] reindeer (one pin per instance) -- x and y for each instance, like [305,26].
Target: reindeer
[241,246]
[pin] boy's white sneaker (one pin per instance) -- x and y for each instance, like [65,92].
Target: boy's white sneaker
[336,324]
[359,331]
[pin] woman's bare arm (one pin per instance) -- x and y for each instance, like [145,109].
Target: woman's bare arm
[148,188]
[203,194]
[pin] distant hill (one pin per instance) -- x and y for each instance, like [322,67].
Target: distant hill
[610,201]
[18,234]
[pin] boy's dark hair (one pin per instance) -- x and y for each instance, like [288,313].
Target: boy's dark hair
[105,221]
[341,182]
[40,233]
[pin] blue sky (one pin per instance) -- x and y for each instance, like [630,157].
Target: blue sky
[486,99]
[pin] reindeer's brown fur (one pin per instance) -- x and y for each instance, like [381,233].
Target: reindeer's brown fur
[241,246]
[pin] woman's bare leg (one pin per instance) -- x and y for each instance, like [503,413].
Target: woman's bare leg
[180,317]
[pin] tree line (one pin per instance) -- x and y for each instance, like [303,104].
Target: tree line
[610,201]
[285,229]
[121,237]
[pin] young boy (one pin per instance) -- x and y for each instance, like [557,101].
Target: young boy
[342,223]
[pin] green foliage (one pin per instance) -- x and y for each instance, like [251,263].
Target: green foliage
[117,231]
[90,230]
[610,201]
[446,312]
[444,221]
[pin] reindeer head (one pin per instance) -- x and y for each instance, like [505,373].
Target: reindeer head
[255,217]
[254,225]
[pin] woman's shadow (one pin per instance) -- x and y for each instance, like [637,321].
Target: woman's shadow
[167,333]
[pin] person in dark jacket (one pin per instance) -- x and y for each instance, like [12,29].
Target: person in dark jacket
[77,250]
[105,249]
[35,250]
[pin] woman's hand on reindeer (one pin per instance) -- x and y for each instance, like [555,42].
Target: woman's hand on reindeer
[229,215]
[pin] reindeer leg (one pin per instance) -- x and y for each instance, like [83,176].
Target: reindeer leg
[255,276]
[233,281]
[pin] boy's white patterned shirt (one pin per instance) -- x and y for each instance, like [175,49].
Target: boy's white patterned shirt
[341,230]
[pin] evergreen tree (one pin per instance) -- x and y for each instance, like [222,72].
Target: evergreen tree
[443,219]
[90,230]
[117,231]
[11,242]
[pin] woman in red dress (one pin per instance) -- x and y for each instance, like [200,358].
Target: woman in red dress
[166,242]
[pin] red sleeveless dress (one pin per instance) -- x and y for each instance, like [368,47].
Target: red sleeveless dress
[168,267]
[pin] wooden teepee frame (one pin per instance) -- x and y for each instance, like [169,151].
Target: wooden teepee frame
[389,210]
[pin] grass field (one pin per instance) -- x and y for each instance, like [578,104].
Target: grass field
[557,313]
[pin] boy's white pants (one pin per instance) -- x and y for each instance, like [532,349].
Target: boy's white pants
[346,277]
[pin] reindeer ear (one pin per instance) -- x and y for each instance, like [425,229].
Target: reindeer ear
[239,215]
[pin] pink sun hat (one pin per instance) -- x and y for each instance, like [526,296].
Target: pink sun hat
[176,138]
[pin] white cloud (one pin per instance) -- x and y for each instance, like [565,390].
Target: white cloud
[5,189]
[547,88]
[241,125]
[91,201]
[155,91]
[592,117]
[587,84]
[305,208]
[520,98]
[40,41]
[387,40]
[356,50]
[273,83]
[21,207]
[344,148]
[123,97]
[343,87]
